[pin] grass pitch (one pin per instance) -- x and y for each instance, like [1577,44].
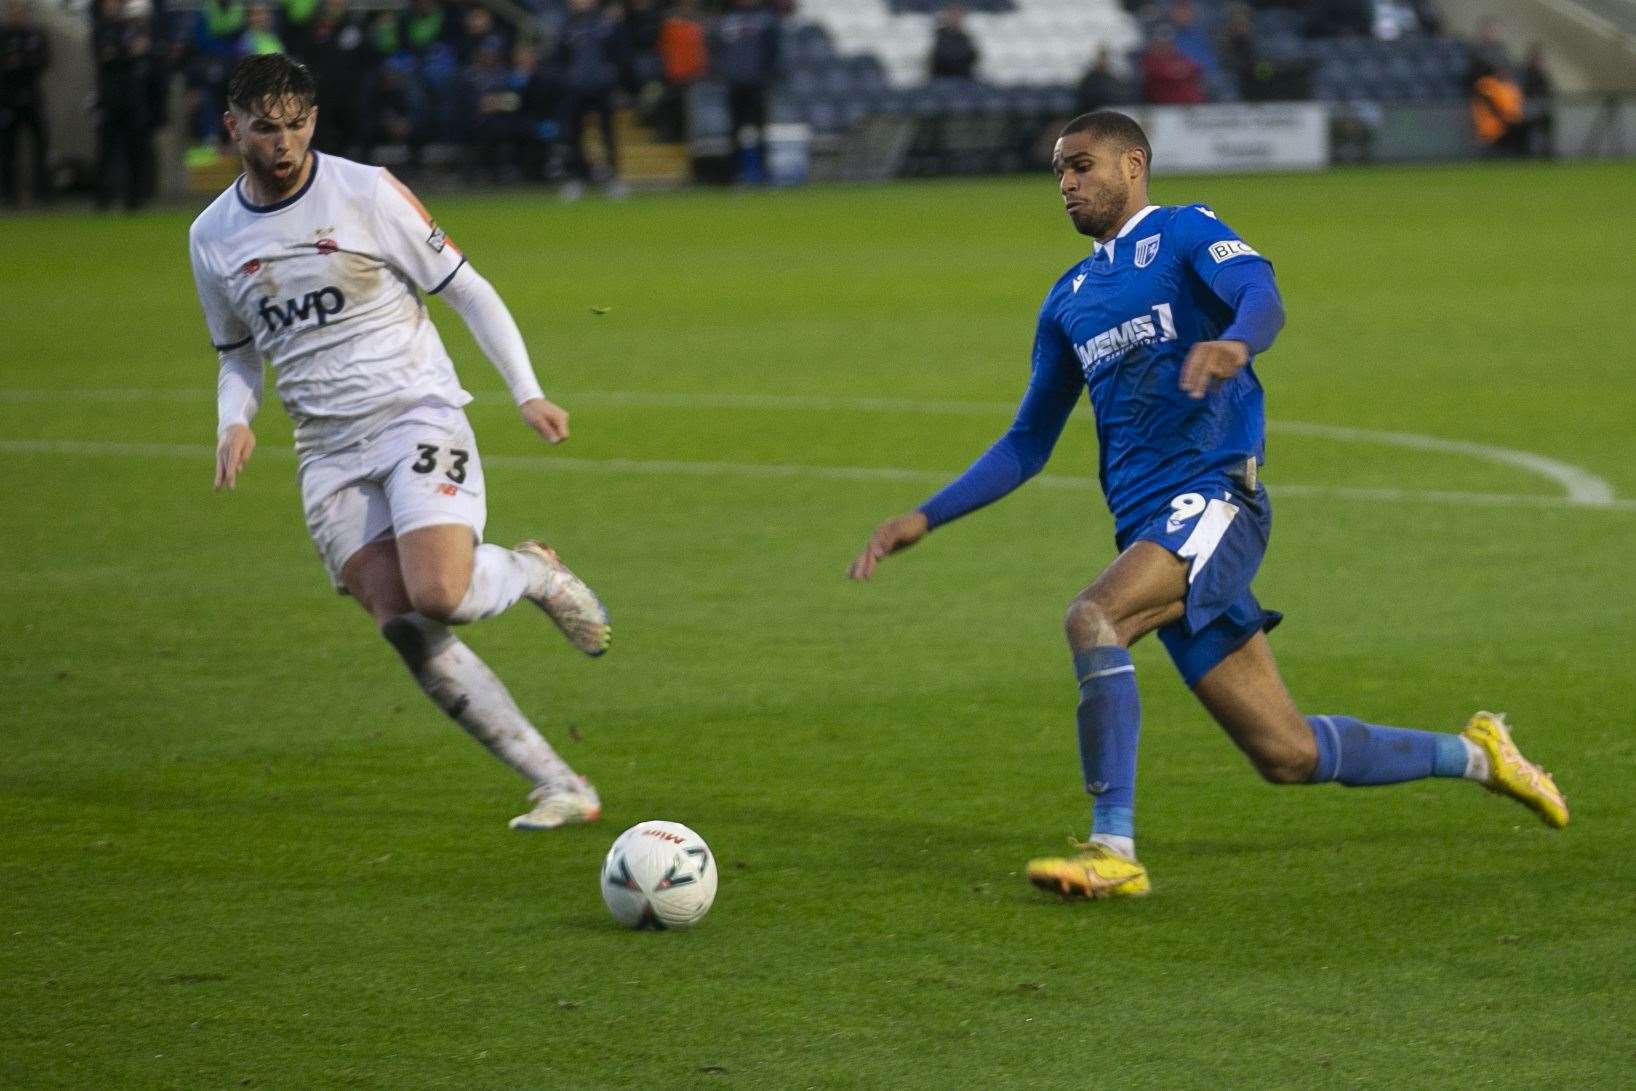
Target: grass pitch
[242,850]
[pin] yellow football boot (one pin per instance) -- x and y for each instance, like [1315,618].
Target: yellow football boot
[1095,871]
[1511,774]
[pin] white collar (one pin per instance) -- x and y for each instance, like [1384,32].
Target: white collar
[1130,225]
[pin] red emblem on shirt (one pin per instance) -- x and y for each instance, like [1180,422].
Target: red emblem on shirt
[326,246]
[250,267]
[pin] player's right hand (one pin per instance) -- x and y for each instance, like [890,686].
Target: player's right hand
[232,452]
[546,417]
[890,537]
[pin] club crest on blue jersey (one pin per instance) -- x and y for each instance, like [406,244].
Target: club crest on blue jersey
[1146,250]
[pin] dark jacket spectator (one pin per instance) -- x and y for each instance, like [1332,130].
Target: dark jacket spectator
[342,67]
[131,85]
[744,47]
[954,54]
[25,53]
[744,54]
[590,51]
[1100,86]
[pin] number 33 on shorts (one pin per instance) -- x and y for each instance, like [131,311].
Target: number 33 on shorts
[451,460]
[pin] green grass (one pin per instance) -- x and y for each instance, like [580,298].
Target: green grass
[241,850]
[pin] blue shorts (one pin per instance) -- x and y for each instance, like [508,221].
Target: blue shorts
[1222,531]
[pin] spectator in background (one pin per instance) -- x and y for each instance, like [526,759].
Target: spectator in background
[1489,55]
[1100,86]
[491,112]
[954,54]
[1497,112]
[1169,76]
[1191,38]
[215,48]
[1537,90]
[342,68]
[684,59]
[589,52]
[1238,48]
[537,110]
[644,75]
[424,24]
[25,54]
[259,35]
[744,52]
[295,24]
[130,102]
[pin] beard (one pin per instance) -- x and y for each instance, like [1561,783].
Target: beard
[1099,211]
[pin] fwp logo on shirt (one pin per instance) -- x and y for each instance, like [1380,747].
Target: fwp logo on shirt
[1157,326]
[1231,248]
[281,316]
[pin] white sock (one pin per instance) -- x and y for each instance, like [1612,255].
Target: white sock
[499,577]
[464,687]
[1124,846]
[1476,761]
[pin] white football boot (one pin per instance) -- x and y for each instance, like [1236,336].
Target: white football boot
[567,601]
[560,805]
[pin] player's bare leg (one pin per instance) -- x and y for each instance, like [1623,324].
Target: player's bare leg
[1247,697]
[452,675]
[1140,591]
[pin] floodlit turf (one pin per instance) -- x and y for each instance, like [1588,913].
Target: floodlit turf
[240,848]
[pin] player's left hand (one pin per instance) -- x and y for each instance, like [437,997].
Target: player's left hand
[1209,362]
[547,418]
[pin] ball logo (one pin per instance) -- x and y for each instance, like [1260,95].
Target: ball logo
[663,835]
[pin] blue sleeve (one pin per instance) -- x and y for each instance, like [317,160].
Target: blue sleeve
[1258,312]
[1236,273]
[1026,446]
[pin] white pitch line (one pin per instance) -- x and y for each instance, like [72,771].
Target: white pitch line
[1580,486]
[552,463]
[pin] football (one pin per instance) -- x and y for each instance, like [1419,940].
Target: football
[659,875]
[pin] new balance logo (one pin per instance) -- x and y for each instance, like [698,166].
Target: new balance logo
[281,316]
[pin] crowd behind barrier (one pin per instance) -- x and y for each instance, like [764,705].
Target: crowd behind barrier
[529,90]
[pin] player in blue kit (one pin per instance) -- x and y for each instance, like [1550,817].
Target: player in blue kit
[1161,324]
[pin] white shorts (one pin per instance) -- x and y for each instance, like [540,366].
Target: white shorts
[420,469]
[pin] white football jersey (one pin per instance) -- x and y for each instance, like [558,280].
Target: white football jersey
[324,284]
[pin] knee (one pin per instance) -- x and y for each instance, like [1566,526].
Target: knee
[1291,762]
[1087,623]
[439,597]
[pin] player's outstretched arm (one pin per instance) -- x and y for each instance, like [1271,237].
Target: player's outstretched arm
[546,417]
[897,533]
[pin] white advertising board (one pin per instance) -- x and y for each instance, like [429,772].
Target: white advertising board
[1261,136]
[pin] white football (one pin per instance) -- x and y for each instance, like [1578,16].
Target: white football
[659,875]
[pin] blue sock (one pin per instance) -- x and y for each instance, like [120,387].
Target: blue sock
[1110,719]
[1354,753]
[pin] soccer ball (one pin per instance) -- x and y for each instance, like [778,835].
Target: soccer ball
[659,875]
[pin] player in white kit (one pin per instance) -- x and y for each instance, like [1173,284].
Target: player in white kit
[316,264]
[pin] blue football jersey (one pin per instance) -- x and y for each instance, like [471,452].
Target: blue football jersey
[1121,322]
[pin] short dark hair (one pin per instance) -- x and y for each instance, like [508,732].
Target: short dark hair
[261,82]
[1117,129]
